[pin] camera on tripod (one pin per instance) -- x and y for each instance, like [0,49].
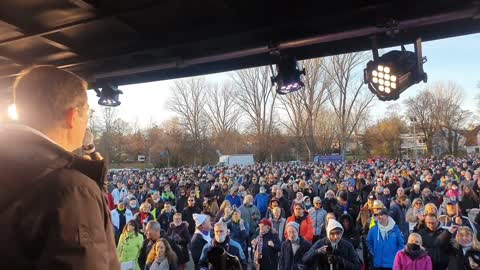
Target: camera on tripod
[330,255]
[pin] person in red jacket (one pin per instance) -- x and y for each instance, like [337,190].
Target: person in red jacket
[306,223]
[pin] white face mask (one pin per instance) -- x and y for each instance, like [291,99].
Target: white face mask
[221,238]
[133,205]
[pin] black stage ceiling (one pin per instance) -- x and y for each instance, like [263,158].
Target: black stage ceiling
[135,41]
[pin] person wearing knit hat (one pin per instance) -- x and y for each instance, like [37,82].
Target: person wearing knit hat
[266,246]
[384,240]
[333,252]
[201,235]
[294,245]
[294,224]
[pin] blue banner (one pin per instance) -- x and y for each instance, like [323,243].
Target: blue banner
[328,158]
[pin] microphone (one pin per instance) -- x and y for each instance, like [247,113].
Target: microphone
[88,147]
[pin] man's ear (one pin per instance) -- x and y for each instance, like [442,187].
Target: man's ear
[70,116]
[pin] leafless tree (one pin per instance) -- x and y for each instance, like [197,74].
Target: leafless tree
[187,101]
[347,95]
[440,108]
[303,107]
[222,111]
[256,98]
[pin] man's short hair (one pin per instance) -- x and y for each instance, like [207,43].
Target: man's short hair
[221,224]
[42,95]
[154,225]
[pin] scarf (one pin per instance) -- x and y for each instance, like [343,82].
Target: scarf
[258,249]
[205,236]
[295,245]
[383,230]
[414,254]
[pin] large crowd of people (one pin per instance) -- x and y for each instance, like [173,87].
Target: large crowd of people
[372,214]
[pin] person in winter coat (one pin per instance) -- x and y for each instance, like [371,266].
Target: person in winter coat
[166,216]
[239,230]
[161,256]
[332,252]
[350,231]
[233,197]
[384,240]
[293,249]
[261,202]
[435,240]
[250,214]
[201,237]
[120,217]
[223,241]
[152,234]
[415,213]
[188,212]
[473,258]
[469,200]
[306,224]
[274,203]
[464,240]
[398,211]
[178,232]
[318,215]
[143,216]
[129,245]
[413,256]
[278,223]
[221,210]
[167,195]
[266,247]
[181,200]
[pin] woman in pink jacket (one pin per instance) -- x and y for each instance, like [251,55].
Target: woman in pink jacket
[413,256]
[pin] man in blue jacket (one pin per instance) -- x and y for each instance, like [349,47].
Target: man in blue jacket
[261,202]
[384,240]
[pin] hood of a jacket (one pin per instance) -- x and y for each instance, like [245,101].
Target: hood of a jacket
[333,224]
[28,155]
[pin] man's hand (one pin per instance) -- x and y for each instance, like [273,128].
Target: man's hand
[453,229]
[322,250]
[270,243]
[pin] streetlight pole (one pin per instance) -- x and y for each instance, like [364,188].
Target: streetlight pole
[413,119]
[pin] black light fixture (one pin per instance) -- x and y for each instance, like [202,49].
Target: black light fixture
[288,75]
[389,75]
[109,95]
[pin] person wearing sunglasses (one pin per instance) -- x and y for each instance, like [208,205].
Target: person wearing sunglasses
[384,240]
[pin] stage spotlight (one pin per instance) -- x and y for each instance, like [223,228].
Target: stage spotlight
[288,76]
[109,95]
[389,75]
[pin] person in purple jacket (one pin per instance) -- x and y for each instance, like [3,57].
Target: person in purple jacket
[413,256]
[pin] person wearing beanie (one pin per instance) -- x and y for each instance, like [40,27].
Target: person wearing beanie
[332,252]
[301,217]
[318,215]
[266,247]
[384,240]
[293,248]
[201,236]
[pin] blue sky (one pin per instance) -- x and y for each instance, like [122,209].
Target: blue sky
[454,59]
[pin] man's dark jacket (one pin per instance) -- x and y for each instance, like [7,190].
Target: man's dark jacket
[346,258]
[54,214]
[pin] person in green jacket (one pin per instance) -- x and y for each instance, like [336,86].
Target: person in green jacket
[129,246]
[168,196]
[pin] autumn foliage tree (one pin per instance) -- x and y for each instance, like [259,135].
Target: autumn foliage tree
[383,138]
